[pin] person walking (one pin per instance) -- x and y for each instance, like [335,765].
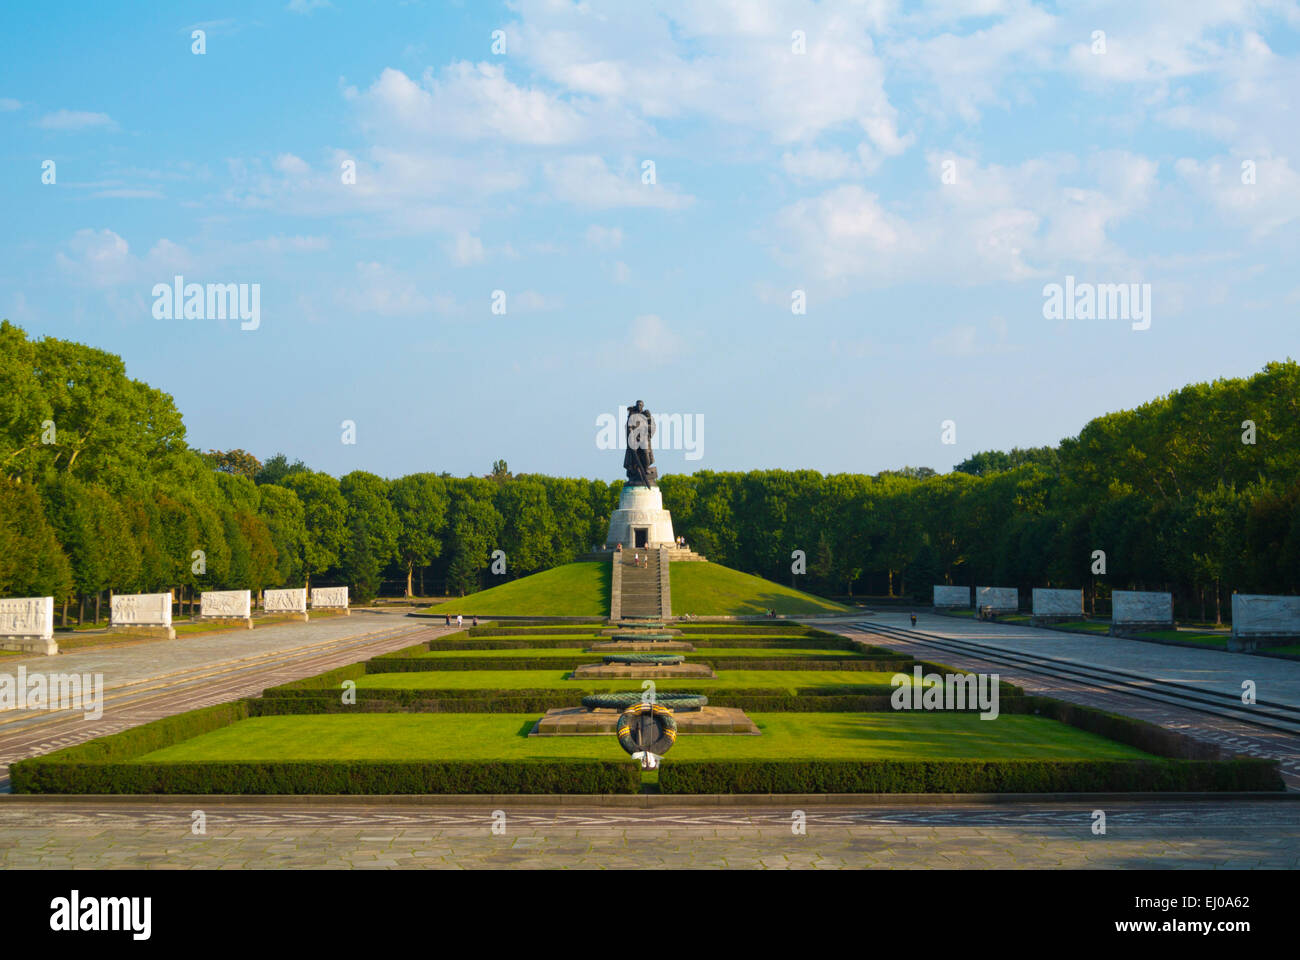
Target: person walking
[446,619]
[460,621]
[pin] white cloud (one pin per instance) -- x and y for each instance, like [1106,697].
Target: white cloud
[470,102]
[467,249]
[586,181]
[604,238]
[103,259]
[1272,201]
[8,103]
[75,120]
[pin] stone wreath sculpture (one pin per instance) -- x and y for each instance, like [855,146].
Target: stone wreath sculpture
[646,730]
[658,659]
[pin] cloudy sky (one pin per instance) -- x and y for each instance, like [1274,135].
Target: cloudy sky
[915,173]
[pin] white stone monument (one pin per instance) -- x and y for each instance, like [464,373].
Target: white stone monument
[292,601]
[330,598]
[1053,605]
[233,606]
[640,520]
[997,599]
[951,598]
[144,613]
[1134,610]
[1260,620]
[27,624]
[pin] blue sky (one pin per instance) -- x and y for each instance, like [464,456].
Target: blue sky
[775,171]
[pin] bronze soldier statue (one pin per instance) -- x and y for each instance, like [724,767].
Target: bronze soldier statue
[639,459]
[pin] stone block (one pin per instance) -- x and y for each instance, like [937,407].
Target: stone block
[997,599]
[950,597]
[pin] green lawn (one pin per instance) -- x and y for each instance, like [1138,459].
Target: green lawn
[1086,626]
[710,589]
[856,736]
[524,653]
[779,681]
[571,590]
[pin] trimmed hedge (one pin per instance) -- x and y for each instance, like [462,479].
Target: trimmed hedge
[329,777]
[105,766]
[576,629]
[967,776]
[425,664]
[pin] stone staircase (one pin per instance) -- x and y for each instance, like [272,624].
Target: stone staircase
[640,590]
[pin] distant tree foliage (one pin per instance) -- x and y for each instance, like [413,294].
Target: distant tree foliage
[1197,492]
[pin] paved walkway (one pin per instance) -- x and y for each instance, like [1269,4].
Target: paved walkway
[346,834]
[1214,670]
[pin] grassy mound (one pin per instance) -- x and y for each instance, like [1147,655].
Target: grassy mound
[582,590]
[573,590]
[709,589]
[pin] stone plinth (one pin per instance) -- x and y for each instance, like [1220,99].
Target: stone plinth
[640,511]
[1261,620]
[1137,610]
[27,624]
[227,606]
[581,722]
[145,614]
[997,599]
[292,602]
[641,646]
[330,598]
[1053,606]
[946,598]
[642,671]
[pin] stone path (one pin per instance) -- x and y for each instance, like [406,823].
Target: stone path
[346,834]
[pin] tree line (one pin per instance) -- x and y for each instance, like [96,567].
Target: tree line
[1197,492]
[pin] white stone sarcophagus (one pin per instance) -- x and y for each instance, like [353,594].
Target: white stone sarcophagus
[227,605]
[1135,609]
[1050,605]
[27,624]
[951,597]
[292,601]
[142,612]
[1261,620]
[329,598]
[997,599]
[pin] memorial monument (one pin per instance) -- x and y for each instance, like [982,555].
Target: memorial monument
[640,520]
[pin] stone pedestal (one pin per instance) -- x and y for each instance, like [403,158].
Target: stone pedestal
[46,646]
[246,622]
[643,671]
[581,722]
[640,520]
[152,631]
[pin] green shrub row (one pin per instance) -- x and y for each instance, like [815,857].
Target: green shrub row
[526,703]
[425,664]
[577,628]
[966,776]
[46,775]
